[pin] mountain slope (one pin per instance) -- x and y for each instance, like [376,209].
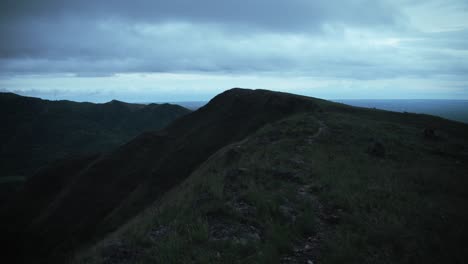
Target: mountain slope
[113,187]
[257,176]
[340,185]
[36,132]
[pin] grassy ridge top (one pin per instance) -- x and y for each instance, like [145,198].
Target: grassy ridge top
[342,185]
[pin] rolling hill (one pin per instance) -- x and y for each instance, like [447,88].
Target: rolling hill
[256,177]
[37,132]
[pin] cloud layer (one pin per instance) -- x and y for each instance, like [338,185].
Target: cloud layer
[360,40]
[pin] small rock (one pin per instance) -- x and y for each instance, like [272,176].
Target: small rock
[219,229]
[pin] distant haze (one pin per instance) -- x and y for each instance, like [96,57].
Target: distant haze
[451,109]
[186,50]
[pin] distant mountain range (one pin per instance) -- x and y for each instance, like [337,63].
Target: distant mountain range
[255,176]
[37,132]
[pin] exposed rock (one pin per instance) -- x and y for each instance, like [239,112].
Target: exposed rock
[305,251]
[221,229]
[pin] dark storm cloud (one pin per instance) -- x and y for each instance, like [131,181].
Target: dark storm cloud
[55,29]
[287,15]
[361,39]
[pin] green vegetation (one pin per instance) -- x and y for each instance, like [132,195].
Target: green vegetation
[275,193]
[226,212]
[404,208]
[263,177]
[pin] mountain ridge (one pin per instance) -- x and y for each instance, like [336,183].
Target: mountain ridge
[112,188]
[340,185]
[69,127]
[189,140]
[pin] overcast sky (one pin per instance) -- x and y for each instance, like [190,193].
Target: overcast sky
[184,50]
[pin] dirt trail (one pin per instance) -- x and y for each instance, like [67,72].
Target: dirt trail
[323,128]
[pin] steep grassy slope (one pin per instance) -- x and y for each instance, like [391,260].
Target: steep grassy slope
[339,185]
[101,193]
[36,132]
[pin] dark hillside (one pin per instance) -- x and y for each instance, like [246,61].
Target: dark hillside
[339,185]
[256,177]
[36,132]
[118,185]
